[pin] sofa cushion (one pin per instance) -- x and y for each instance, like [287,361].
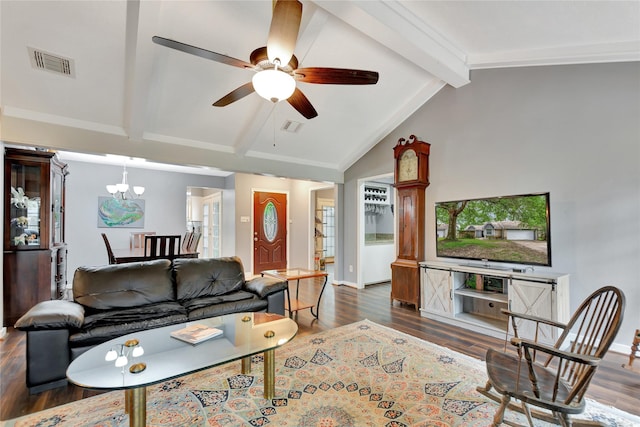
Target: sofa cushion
[196,303]
[207,277]
[53,314]
[133,314]
[104,325]
[264,286]
[228,307]
[124,285]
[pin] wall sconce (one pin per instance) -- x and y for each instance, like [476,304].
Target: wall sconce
[123,188]
[121,352]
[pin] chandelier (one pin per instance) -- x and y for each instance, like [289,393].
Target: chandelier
[123,190]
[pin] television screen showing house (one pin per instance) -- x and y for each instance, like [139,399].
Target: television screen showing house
[513,229]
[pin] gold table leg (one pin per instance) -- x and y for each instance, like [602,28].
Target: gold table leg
[269,373]
[136,406]
[127,401]
[246,365]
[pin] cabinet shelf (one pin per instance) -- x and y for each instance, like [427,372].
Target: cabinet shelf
[481,321]
[377,194]
[484,295]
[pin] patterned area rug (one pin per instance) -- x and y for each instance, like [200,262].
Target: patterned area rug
[362,374]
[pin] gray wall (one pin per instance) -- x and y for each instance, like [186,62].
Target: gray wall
[229,218]
[165,208]
[571,130]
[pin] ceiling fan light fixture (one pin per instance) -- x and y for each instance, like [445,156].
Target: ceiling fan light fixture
[274,85]
[278,54]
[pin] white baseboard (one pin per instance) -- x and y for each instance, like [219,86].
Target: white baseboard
[345,283]
[3,332]
[616,347]
[621,348]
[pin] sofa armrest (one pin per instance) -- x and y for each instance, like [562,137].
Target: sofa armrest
[53,314]
[265,286]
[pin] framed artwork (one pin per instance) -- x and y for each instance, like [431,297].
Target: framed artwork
[120,213]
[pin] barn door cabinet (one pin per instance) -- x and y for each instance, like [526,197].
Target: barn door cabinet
[472,297]
[437,293]
[35,254]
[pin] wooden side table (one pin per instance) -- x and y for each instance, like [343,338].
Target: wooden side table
[297,274]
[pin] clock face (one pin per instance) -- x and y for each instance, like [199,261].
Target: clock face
[408,166]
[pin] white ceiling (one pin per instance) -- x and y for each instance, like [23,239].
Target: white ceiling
[135,98]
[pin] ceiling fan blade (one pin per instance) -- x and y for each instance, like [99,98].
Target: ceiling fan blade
[302,104]
[283,33]
[336,76]
[203,53]
[234,95]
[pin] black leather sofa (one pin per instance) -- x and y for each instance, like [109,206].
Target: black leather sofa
[114,300]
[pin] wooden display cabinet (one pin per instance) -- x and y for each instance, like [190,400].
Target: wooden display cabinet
[35,254]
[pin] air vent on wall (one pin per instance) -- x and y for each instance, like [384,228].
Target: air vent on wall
[291,126]
[50,62]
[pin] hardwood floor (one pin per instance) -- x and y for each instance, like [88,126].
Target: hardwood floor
[341,305]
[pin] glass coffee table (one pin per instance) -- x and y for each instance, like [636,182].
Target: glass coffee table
[165,357]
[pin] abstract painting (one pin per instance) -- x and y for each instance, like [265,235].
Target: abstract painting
[120,213]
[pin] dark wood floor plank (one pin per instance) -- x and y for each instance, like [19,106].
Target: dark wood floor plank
[341,305]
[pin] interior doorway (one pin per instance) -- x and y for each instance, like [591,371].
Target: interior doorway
[323,226]
[376,229]
[211,225]
[325,233]
[204,215]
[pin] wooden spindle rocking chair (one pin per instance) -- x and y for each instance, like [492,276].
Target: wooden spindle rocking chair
[557,384]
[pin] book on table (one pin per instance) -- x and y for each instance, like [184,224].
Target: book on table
[196,333]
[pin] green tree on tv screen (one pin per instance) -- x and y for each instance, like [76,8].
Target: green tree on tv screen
[530,210]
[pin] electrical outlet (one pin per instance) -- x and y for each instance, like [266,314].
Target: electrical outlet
[351,269]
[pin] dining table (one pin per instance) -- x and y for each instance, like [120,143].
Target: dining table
[137,254]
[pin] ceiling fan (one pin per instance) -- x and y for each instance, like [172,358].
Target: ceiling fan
[276,66]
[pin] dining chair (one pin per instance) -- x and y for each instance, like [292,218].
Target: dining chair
[112,258]
[186,240]
[162,246]
[136,238]
[193,244]
[554,378]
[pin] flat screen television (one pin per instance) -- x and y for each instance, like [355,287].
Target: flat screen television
[509,229]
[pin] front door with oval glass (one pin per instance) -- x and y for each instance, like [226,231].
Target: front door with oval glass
[269,231]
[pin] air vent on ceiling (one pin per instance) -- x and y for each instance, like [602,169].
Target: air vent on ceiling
[50,62]
[291,126]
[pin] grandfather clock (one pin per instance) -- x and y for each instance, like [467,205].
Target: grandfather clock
[411,178]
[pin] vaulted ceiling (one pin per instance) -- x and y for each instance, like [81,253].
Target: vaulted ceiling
[130,96]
